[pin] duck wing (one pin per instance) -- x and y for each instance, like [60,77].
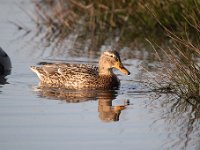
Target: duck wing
[50,69]
[78,70]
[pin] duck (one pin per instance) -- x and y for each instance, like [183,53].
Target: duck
[82,76]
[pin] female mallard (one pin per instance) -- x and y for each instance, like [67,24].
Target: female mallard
[80,76]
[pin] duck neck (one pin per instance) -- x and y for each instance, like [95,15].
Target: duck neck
[105,71]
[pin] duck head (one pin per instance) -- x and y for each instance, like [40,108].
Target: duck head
[110,59]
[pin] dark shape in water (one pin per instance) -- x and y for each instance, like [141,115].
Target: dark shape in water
[5,66]
[5,63]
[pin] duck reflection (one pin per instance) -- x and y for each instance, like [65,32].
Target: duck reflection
[3,80]
[107,112]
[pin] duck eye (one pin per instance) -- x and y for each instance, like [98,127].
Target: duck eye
[114,57]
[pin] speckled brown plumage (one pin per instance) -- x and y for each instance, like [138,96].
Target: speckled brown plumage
[80,76]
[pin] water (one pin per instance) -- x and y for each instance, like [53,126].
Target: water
[128,118]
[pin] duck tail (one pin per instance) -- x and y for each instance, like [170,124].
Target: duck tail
[33,68]
[36,70]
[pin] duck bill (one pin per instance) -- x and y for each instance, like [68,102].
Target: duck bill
[121,68]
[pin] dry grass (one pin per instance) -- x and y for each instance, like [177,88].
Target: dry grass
[180,71]
[101,21]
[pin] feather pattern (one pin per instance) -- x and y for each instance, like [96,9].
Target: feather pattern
[80,76]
